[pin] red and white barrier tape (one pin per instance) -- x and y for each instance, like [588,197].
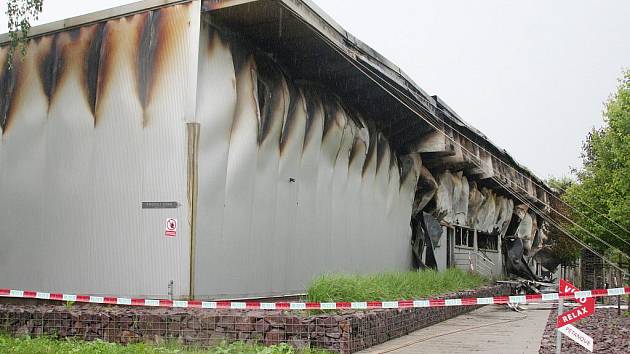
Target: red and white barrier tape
[255,305]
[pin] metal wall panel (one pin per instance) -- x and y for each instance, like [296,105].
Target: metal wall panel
[93,124]
[292,183]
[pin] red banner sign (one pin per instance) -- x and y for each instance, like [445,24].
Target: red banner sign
[587,308]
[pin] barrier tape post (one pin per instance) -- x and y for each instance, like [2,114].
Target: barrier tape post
[558,333]
[618,296]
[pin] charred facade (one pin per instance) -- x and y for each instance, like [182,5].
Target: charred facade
[272,131]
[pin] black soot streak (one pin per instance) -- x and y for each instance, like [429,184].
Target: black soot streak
[7,86]
[93,63]
[146,56]
[49,68]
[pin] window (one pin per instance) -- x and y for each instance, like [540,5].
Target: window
[458,236]
[486,241]
[464,237]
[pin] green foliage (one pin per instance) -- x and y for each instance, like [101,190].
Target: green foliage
[391,286]
[604,181]
[559,185]
[47,345]
[563,248]
[20,14]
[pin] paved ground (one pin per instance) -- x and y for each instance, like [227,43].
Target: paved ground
[490,329]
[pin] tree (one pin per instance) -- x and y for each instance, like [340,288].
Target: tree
[20,14]
[601,195]
[563,248]
[559,185]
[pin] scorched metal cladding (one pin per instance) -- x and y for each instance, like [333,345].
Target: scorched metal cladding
[93,123]
[166,144]
[292,182]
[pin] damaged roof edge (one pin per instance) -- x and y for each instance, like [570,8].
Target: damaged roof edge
[462,123]
[98,16]
[312,14]
[390,68]
[372,55]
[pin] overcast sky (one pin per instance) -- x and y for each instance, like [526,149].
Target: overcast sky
[532,75]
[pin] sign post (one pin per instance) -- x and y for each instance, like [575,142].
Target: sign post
[558,333]
[564,320]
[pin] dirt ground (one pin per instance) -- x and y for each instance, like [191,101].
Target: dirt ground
[610,333]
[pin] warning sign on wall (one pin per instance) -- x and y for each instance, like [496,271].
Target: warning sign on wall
[171,227]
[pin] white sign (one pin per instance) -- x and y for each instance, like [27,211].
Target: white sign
[580,337]
[171,227]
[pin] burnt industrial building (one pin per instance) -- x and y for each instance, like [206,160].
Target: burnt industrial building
[239,148]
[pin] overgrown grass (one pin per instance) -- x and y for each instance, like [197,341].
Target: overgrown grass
[392,286]
[48,345]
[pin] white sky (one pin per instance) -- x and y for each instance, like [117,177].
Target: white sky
[532,75]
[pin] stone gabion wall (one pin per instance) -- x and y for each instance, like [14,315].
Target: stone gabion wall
[342,331]
[378,326]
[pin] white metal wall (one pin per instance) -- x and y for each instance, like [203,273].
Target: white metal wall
[93,123]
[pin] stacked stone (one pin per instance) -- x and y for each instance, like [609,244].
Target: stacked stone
[378,326]
[189,327]
[341,331]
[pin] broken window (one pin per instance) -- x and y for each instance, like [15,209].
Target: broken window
[486,241]
[464,237]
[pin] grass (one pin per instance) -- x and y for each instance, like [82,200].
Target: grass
[391,286]
[48,345]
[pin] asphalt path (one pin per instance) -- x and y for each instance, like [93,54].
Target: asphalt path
[490,329]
